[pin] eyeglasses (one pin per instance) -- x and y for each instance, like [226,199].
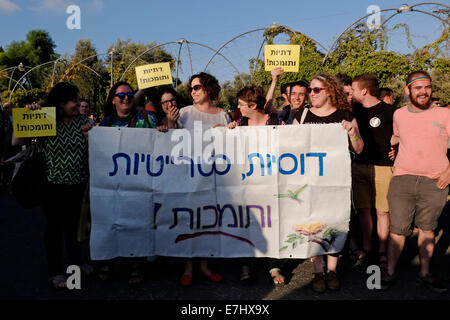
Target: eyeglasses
[122,95]
[168,101]
[315,90]
[196,87]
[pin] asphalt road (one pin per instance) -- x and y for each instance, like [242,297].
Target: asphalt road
[23,273]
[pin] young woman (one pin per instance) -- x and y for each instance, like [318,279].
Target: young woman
[329,105]
[120,111]
[204,90]
[167,110]
[251,102]
[67,174]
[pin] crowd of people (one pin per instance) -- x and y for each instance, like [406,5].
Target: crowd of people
[400,169]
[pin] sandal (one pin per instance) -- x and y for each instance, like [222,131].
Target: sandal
[277,277]
[105,273]
[214,277]
[245,277]
[186,280]
[58,282]
[358,256]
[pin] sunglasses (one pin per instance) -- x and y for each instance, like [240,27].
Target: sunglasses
[122,95]
[196,87]
[315,90]
[168,101]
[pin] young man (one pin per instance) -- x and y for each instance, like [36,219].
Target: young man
[85,109]
[297,93]
[387,96]
[419,188]
[372,169]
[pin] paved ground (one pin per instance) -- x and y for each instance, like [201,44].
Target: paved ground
[23,274]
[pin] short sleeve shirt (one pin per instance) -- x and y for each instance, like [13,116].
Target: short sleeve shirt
[423,141]
[375,127]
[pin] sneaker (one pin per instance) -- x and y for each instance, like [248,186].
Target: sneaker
[387,281]
[318,284]
[333,281]
[432,283]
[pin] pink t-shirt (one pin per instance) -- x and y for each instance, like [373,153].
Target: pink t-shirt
[423,141]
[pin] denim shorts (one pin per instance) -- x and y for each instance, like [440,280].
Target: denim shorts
[415,198]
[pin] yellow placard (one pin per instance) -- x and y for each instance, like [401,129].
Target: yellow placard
[34,123]
[152,75]
[283,55]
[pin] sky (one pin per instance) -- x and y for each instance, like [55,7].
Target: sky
[204,23]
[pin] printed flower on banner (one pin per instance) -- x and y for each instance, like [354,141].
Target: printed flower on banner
[326,240]
[292,194]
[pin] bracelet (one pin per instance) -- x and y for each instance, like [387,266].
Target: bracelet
[354,139]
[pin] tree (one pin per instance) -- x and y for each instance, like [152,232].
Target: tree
[228,94]
[37,49]
[89,74]
[127,51]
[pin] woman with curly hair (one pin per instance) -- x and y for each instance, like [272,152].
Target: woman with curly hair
[204,89]
[329,105]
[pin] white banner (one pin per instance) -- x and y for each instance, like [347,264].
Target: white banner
[281,191]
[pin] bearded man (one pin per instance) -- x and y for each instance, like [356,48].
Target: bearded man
[419,187]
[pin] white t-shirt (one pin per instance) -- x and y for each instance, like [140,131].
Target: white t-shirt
[190,114]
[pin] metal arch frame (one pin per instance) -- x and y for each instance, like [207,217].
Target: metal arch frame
[180,42]
[294,32]
[11,76]
[36,67]
[384,22]
[217,52]
[80,63]
[90,57]
[154,47]
[212,49]
[223,46]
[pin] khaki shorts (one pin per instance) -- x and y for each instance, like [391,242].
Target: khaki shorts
[415,198]
[370,186]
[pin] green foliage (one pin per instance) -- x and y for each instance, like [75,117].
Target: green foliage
[228,94]
[37,49]
[361,51]
[22,97]
[126,53]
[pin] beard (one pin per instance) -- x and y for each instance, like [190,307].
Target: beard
[425,105]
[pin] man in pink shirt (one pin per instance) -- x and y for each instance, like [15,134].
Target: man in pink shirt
[418,191]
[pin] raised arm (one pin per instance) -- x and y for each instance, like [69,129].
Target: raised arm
[276,73]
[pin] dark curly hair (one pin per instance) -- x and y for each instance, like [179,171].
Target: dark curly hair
[210,84]
[59,95]
[253,94]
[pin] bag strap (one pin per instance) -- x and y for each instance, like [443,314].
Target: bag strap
[305,111]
